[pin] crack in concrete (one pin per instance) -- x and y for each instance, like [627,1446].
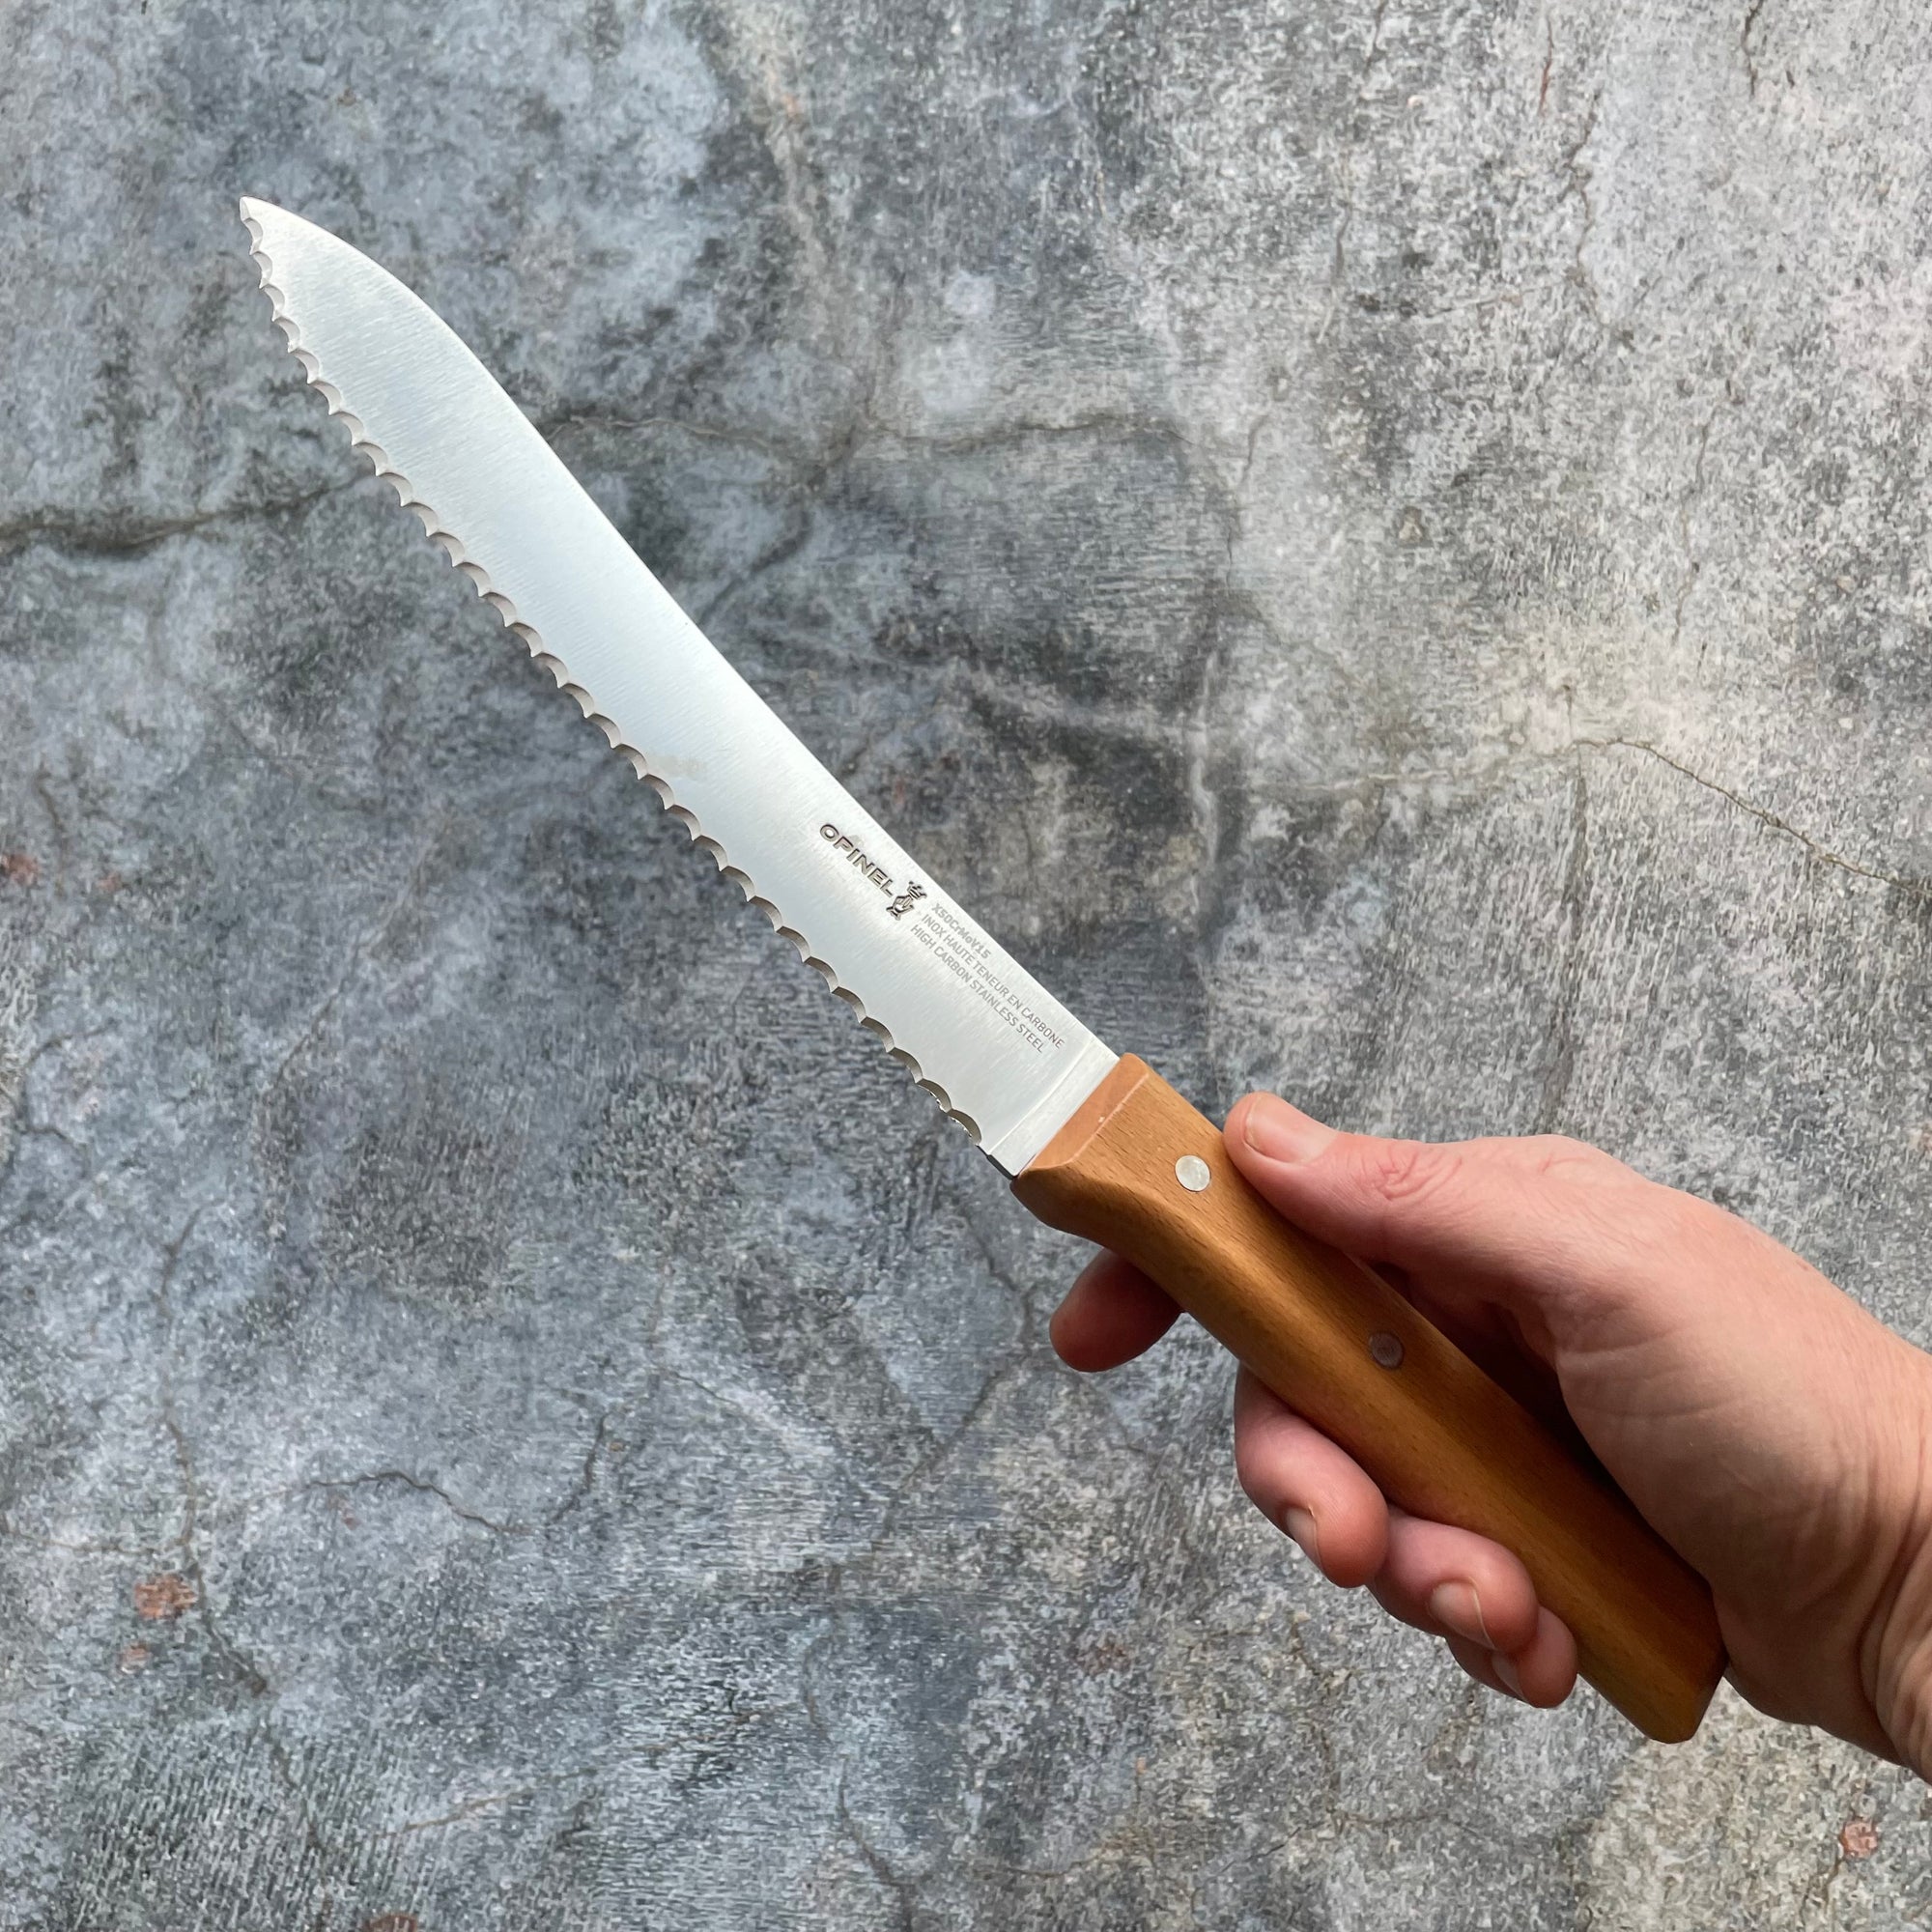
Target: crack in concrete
[55,1041]
[1339,261]
[19,1005]
[865,426]
[1253,442]
[1751,15]
[57,819]
[1241,606]
[111,536]
[188,1538]
[1015,1361]
[163,1303]
[1368,783]
[244,1505]
[272,760]
[1198,738]
[490,1802]
[588,1478]
[1499,298]
[188,1544]
[902,1890]
[1208,877]
[1562,1065]
[929,1459]
[1127,425]
[730,1403]
[1122,1845]
[1577,177]
[285,1771]
[1918,887]
[1326,1686]
[407,895]
[780,551]
[594,419]
[772,103]
[45,1130]
[1235,514]
[1685,502]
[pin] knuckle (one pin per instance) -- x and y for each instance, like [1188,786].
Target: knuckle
[1668,1225]
[1558,1157]
[1404,1172]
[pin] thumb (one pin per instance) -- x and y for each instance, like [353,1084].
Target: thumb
[1529,1218]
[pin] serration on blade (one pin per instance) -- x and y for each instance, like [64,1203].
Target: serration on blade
[997,1051]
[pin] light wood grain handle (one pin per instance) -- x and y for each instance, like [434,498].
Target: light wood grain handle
[1342,1349]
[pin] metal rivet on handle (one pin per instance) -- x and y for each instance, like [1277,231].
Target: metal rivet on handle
[1385,1349]
[1191,1171]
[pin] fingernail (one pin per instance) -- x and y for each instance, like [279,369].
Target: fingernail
[1278,1131]
[1301,1526]
[1506,1670]
[1456,1605]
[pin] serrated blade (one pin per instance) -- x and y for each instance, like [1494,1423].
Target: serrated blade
[974,1029]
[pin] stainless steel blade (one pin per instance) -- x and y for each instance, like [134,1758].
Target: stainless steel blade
[973,1027]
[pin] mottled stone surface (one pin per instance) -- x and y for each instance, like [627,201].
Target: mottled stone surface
[1382,547]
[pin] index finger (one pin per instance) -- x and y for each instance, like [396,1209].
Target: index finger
[1112,1314]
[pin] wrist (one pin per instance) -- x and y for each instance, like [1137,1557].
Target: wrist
[1902,1690]
[1908,1724]
[1898,1671]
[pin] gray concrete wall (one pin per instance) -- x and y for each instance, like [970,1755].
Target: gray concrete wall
[1384,547]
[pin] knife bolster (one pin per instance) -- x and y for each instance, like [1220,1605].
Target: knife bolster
[1140,1171]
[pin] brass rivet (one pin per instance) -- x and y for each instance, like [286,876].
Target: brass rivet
[1192,1172]
[1385,1349]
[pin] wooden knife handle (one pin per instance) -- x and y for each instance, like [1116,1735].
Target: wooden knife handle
[1141,1171]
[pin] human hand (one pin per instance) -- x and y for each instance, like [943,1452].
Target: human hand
[1773,1431]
